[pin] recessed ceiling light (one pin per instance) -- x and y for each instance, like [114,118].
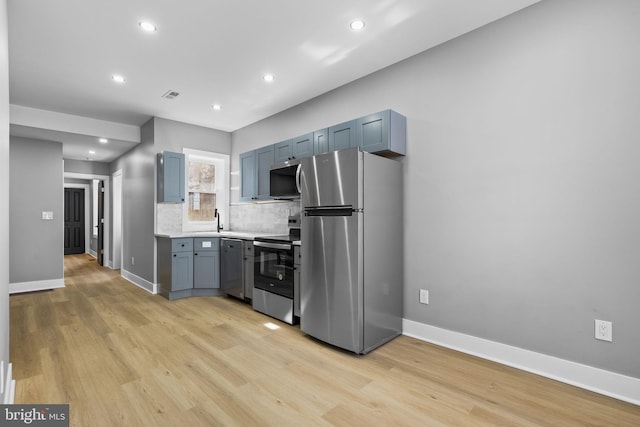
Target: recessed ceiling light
[216,107]
[268,77]
[356,25]
[92,152]
[103,140]
[118,78]
[148,26]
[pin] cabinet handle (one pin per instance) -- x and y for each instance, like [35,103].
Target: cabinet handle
[196,254]
[174,255]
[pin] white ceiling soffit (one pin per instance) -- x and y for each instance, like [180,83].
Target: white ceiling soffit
[63,53]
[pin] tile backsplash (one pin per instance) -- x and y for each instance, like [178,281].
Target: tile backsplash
[270,217]
[263,217]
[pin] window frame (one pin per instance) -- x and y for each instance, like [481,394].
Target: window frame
[222,164]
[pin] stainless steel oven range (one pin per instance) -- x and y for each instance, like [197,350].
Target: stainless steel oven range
[273,274]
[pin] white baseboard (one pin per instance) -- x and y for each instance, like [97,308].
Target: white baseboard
[38,285]
[7,384]
[139,281]
[594,379]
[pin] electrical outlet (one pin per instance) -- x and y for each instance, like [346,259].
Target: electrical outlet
[424,296]
[604,330]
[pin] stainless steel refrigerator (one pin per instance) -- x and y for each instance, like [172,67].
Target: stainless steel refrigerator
[351,232]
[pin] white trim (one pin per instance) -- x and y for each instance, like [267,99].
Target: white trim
[107,206]
[152,288]
[37,285]
[8,385]
[594,379]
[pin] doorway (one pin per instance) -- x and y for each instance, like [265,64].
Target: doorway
[74,224]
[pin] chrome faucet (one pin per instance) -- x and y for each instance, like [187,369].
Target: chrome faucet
[217,215]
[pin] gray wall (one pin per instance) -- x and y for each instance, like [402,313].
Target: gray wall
[4,184]
[86,167]
[139,186]
[36,176]
[138,205]
[521,177]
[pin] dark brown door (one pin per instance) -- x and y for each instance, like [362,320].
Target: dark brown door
[73,221]
[99,249]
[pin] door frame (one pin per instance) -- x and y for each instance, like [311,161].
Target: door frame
[87,213]
[117,179]
[107,208]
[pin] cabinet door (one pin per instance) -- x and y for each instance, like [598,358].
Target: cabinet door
[248,269]
[321,141]
[248,178]
[383,132]
[181,271]
[342,136]
[170,174]
[302,146]
[283,151]
[206,269]
[264,160]
[373,132]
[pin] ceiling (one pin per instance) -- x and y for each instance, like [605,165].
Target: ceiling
[62,55]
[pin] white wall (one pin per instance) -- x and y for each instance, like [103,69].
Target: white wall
[521,177]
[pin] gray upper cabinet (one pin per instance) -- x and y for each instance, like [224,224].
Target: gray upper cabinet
[382,133]
[264,159]
[283,151]
[321,141]
[294,148]
[170,175]
[248,176]
[302,146]
[342,136]
[254,173]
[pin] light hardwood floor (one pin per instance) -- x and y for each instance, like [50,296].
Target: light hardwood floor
[122,357]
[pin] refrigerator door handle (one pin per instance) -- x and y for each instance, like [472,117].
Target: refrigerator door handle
[330,211]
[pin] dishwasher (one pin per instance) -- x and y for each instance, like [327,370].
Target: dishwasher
[232,267]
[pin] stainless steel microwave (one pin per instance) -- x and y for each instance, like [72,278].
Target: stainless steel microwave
[283,180]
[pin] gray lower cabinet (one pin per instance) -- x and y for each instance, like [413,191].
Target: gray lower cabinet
[206,263]
[247,265]
[186,270]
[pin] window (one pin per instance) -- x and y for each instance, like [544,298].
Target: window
[207,189]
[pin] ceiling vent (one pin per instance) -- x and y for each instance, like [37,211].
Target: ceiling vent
[170,94]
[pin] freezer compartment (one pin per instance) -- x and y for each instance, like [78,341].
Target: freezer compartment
[332,179]
[273,305]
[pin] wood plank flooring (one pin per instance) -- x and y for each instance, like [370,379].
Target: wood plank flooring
[122,357]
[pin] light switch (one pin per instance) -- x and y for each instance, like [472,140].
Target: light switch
[47,215]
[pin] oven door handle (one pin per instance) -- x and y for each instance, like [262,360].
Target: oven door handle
[270,245]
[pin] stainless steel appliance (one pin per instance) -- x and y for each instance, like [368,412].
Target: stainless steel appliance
[283,178]
[274,276]
[231,267]
[351,286]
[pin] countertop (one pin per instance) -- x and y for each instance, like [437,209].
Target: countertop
[246,235]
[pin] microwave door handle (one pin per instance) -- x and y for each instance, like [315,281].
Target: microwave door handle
[298,171]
